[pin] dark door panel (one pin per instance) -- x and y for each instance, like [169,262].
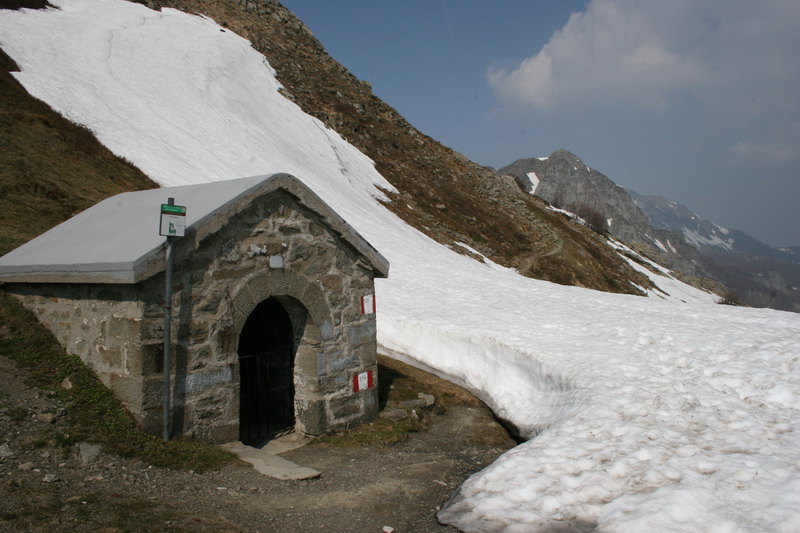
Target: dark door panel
[266,362]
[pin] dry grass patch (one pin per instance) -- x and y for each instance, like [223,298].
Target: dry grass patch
[397,383]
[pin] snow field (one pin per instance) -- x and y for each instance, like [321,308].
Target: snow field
[683,407]
[648,415]
[668,288]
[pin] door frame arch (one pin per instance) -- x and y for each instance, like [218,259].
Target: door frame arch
[300,298]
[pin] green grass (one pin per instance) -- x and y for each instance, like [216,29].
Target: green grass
[124,513]
[34,504]
[92,412]
[17,414]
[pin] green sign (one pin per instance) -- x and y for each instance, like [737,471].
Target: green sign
[173,220]
[167,209]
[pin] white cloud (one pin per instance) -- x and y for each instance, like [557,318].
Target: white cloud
[759,153]
[634,54]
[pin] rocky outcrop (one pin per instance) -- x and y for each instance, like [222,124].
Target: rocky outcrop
[754,273]
[566,182]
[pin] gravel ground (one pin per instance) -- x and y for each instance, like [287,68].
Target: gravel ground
[47,487]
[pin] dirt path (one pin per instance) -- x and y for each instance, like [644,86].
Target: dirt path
[47,487]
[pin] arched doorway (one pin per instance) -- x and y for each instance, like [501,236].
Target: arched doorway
[266,368]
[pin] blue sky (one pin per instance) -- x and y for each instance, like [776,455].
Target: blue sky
[695,100]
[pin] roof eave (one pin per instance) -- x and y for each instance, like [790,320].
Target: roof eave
[119,273]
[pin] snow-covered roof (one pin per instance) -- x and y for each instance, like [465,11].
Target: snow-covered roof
[118,241]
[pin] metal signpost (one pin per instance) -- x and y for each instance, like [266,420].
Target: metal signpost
[172,224]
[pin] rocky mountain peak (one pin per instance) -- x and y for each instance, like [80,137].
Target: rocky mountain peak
[565,155]
[565,181]
[665,230]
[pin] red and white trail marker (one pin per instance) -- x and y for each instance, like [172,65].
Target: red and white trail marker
[363,381]
[368,304]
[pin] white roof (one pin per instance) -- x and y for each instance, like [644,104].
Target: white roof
[118,241]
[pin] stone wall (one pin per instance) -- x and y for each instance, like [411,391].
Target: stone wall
[271,246]
[274,247]
[99,323]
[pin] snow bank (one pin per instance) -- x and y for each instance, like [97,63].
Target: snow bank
[534,181]
[648,415]
[688,420]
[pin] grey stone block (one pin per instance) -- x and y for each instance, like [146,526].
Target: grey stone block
[244,302]
[344,409]
[259,287]
[339,382]
[312,418]
[279,282]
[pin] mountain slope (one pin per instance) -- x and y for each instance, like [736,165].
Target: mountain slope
[753,272]
[701,233]
[759,274]
[565,181]
[441,193]
[51,168]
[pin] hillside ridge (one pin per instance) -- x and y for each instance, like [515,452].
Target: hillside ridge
[761,275]
[565,181]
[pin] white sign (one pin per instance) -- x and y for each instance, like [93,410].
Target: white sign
[363,381]
[368,304]
[173,220]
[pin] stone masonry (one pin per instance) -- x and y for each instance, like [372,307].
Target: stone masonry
[279,243]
